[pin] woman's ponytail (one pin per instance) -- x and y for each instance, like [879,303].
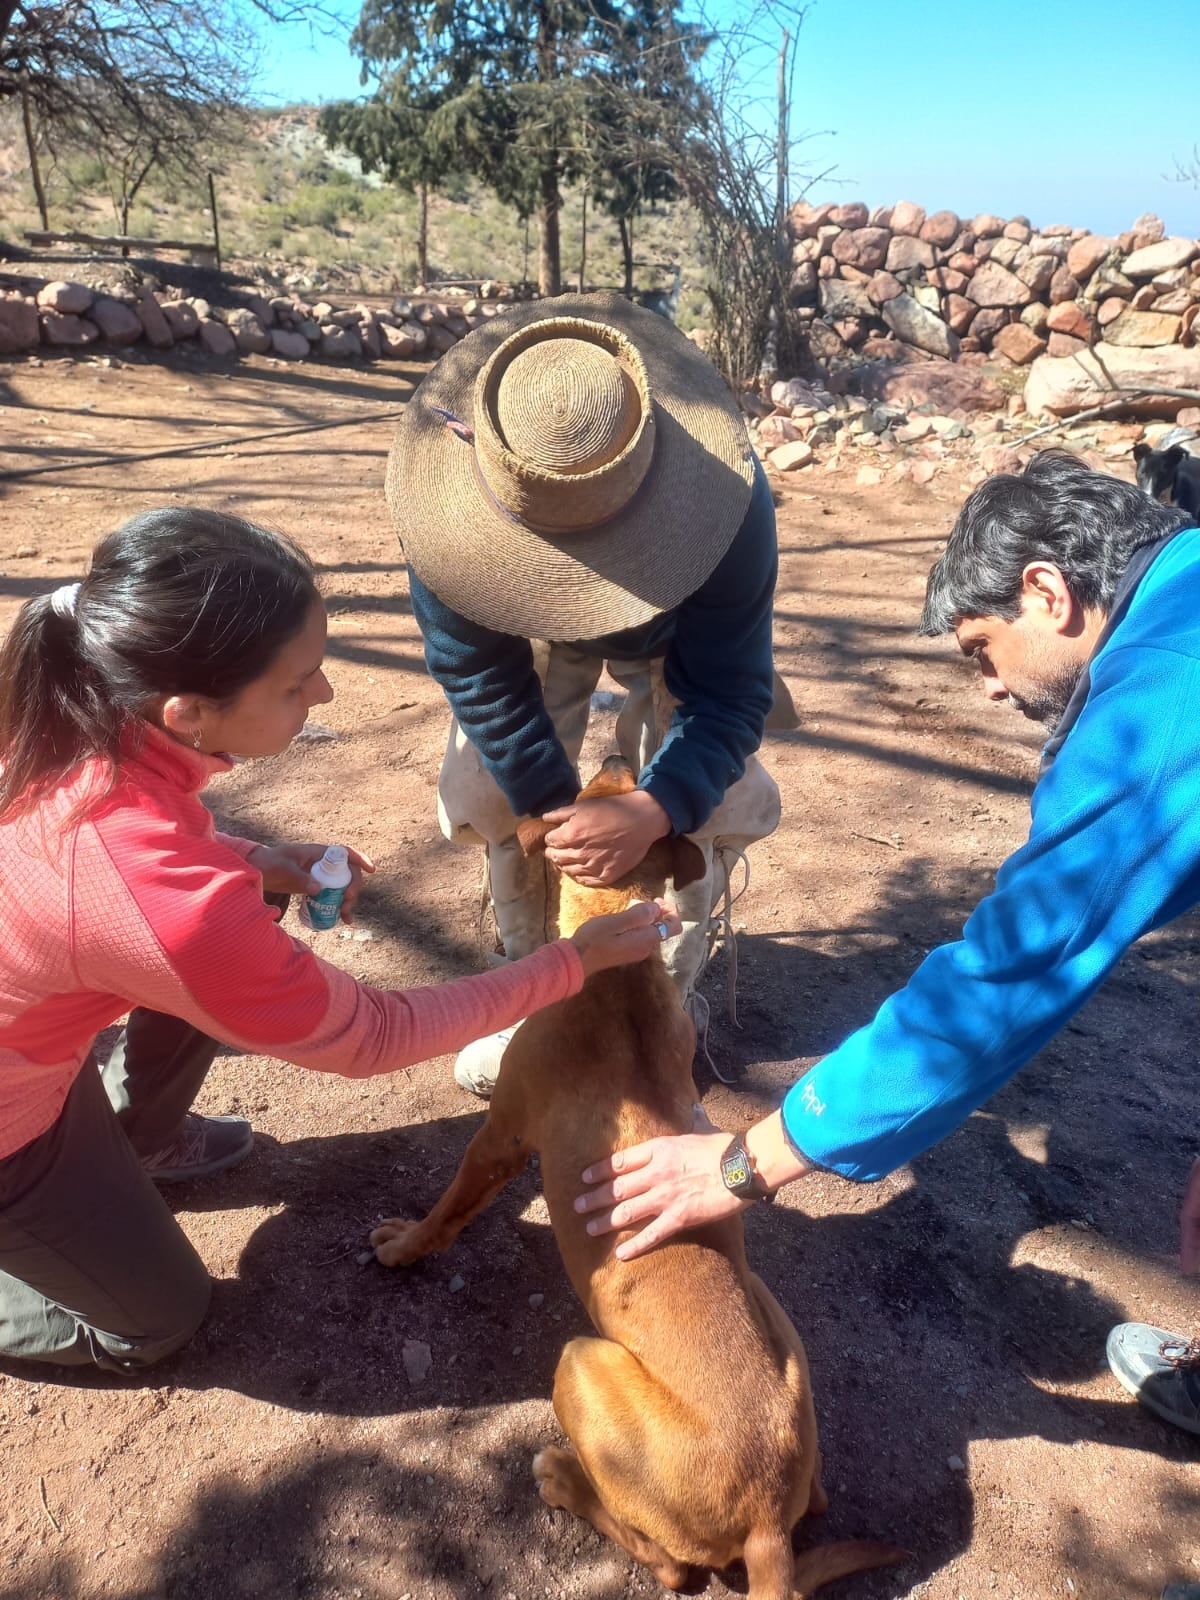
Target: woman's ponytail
[50,716]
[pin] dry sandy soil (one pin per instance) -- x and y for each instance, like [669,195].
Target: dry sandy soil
[955,1315]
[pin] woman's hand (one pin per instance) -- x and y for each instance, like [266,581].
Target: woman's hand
[625,936]
[1189,1224]
[667,1184]
[598,841]
[285,869]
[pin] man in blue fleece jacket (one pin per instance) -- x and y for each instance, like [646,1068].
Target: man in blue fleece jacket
[574,488]
[1079,597]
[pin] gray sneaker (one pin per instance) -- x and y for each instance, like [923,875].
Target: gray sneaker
[478,1065]
[1160,1369]
[204,1145]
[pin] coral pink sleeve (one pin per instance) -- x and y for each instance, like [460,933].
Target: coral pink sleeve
[239,846]
[177,927]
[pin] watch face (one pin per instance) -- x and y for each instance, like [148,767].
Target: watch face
[735,1170]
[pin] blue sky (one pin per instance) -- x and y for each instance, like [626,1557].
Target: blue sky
[1065,110]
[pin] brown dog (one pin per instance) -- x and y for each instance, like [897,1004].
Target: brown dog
[691,1414]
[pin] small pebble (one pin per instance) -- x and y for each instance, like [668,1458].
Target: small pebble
[417,1358]
[25,551]
[364,1256]
[536,1300]
[456,1283]
[956,1463]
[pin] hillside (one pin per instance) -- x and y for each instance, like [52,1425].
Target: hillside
[311,216]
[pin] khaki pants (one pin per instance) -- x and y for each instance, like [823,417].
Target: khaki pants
[473,811]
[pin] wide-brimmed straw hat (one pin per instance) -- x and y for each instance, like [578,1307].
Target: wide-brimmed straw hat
[571,468]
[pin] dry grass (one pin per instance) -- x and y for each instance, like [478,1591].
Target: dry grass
[287,201]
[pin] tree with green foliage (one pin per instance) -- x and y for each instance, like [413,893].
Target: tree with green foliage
[645,102]
[525,89]
[397,138]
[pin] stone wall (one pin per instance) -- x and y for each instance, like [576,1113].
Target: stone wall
[69,315]
[872,284]
[1074,311]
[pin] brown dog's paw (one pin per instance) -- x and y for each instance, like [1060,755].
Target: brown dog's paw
[554,1473]
[396,1242]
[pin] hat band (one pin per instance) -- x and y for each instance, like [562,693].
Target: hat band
[552,502]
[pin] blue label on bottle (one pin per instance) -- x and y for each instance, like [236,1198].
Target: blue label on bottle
[321,911]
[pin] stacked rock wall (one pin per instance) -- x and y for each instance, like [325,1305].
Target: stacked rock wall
[1077,312]
[989,288]
[72,315]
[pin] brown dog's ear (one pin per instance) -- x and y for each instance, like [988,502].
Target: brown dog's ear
[687,863]
[531,834]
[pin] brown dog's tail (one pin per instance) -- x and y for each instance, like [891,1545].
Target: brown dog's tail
[825,1562]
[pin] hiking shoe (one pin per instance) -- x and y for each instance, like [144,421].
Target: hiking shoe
[1160,1369]
[204,1145]
[478,1065]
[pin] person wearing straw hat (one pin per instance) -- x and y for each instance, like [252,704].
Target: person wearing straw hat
[574,487]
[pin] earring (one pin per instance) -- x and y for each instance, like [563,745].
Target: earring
[196,737]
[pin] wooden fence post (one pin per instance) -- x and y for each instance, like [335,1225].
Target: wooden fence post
[212,201]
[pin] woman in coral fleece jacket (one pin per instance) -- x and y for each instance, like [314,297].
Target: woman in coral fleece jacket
[195,637]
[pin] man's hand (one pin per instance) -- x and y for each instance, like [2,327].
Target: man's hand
[667,1184]
[675,1182]
[285,870]
[596,842]
[1189,1224]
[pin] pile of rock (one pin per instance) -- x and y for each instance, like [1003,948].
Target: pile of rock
[72,315]
[872,283]
[804,428]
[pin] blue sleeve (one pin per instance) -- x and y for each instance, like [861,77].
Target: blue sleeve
[719,666]
[493,690]
[1113,851]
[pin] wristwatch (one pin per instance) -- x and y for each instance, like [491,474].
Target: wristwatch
[739,1174]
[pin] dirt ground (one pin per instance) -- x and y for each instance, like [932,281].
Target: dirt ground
[955,1315]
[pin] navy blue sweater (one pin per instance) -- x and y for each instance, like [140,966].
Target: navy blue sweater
[717,662]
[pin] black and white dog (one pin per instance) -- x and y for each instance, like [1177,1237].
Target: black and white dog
[1169,475]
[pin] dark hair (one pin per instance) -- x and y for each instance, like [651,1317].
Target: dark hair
[176,601]
[1059,509]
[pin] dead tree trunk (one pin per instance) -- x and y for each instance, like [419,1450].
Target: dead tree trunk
[625,227]
[35,171]
[583,244]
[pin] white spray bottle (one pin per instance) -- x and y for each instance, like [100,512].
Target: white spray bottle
[321,910]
